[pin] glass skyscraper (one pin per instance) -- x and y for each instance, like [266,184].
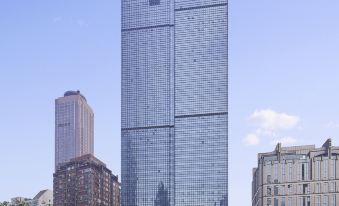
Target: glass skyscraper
[174,103]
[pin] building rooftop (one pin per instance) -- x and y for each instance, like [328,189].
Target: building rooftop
[293,152]
[42,192]
[71,93]
[84,158]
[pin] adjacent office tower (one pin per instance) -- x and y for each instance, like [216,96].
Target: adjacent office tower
[174,103]
[297,176]
[74,127]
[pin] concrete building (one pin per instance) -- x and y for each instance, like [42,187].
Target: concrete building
[174,128]
[74,127]
[85,181]
[297,176]
[43,198]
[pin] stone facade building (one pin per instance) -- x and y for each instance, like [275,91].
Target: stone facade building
[297,176]
[85,181]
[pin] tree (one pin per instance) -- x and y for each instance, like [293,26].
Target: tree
[23,204]
[162,196]
[4,203]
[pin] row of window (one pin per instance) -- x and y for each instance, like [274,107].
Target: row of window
[325,200]
[290,189]
[288,172]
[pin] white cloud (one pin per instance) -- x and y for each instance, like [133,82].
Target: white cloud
[286,141]
[270,125]
[332,125]
[82,23]
[251,140]
[265,133]
[268,119]
[57,19]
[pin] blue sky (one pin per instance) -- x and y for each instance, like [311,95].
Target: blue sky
[46,48]
[284,70]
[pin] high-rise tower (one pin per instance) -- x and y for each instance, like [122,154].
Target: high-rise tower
[74,127]
[174,103]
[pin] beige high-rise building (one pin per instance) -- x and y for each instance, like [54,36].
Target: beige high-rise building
[297,176]
[74,127]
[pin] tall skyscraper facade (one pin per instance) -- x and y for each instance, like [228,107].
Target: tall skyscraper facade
[174,103]
[74,127]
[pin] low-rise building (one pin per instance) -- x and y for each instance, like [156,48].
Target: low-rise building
[84,181]
[43,198]
[297,176]
[116,191]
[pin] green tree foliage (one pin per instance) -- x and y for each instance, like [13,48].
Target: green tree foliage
[4,203]
[23,204]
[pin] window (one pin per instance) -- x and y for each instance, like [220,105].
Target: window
[290,172]
[268,173]
[303,172]
[317,188]
[276,190]
[290,201]
[308,201]
[269,202]
[332,186]
[317,201]
[276,202]
[283,168]
[289,189]
[269,179]
[283,201]
[269,191]
[276,173]
[317,168]
[325,169]
[325,187]
[332,169]
[283,190]
[154,2]
[305,189]
[325,200]
[300,201]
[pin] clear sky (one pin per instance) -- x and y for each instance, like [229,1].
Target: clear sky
[46,48]
[284,82]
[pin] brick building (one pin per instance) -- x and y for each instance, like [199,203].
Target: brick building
[85,181]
